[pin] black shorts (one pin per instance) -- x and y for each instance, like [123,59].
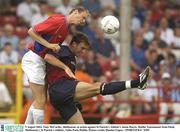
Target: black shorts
[61,95]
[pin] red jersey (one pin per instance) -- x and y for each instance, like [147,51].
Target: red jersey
[54,29]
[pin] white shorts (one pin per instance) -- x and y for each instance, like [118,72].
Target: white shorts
[34,67]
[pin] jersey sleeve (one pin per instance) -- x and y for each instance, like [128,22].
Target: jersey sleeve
[49,26]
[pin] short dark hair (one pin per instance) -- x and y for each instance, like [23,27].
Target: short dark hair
[42,2]
[178,65]
[152,51]
[171,55]
[79,37]
[80,9]
[7,44]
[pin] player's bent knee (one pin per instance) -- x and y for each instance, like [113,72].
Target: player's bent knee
[76,118]
[40,102]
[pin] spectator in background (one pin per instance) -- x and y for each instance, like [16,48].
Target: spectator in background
[165,96]
[135,22]
[5,98]
[90,30]
[81,74]
[137,54]
[5,93]
[140,33]
[26,10]
[64,8]
[176,43]
[176,79]
[176,83]
[156,12]
[56,3]
[117,3]
[8,56]
[151,59]
[150,94]
[153,45]
[21,49]
[9,36]
[148,18]
[169,16]
[177,18]
[148,34]
[93,6]
[158,62]
[102,46]
[4,4]
[91,65]
[42,15]
[171,60]
[162,51]
[167,34]
[136,107]
[149,108]
[140,10]
[108,7]
[108,108]
[157,37]
[107,4]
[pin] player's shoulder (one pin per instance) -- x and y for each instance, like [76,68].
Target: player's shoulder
[65,50]
[58,17]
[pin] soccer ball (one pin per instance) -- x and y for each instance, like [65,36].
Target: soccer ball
[110,24]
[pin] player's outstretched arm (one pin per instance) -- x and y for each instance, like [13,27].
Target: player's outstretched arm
[54,61]
[42,41]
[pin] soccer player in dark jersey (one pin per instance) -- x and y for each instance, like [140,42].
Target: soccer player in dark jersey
[64,91]
[47,35]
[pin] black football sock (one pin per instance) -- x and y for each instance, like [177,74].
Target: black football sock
[115,87]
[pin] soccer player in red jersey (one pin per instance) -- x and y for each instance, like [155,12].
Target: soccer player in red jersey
[64,91]
[47,35]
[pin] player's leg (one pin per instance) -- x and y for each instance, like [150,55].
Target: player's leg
[36,111]
[29,117]
[68,109]
[86,90]
[76,118]
[34,68]
[39,95]
[63,92]
[61,95]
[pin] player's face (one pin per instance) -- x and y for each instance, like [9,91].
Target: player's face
[80,17]
[81,49]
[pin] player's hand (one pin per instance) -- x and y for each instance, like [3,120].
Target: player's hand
[69,72]
[54,47]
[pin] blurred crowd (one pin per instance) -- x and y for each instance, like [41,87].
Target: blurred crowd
[155,41]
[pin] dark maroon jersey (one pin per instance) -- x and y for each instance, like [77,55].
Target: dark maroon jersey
[67,57]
